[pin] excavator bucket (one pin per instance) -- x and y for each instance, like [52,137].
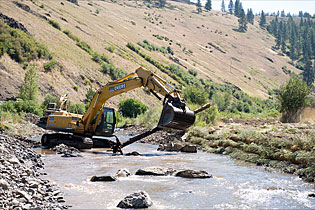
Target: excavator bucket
[176,118]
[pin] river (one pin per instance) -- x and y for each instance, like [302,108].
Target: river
[234,184]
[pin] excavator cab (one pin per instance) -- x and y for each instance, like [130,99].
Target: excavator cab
[106,124]
[176,117]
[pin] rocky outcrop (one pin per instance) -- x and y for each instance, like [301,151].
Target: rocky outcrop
[28,9]
[21,185]
[155,171]
[193,174]
[13,23]
[136,200]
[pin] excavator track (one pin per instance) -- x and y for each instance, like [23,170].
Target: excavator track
[54,139]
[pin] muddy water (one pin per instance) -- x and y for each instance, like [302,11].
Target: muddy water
[234,185]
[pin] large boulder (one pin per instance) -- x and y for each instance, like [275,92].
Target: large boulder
[103,179]
[193,174]
[155,171]
[137,200]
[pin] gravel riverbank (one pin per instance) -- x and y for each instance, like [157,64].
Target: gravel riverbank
[21,182]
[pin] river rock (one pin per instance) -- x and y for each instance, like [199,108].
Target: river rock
[103,179]
[4,184]
[64,149]
[193,174]
[155,171]
[311,195]
[122,173]
[189,149]
[136,200]
[170,147]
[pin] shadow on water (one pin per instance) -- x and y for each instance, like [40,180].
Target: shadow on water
[110,153]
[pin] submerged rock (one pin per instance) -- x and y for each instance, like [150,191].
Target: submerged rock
[103,179]
[136,200]
[123,173]
[64,149]
[193,174]
[155,171]
[134,153]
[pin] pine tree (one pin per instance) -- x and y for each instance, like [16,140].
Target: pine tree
[208,5]
[231,7]
[29,90]
[262,22]
[237,8]
[162,3]
[309,73]
[223,6]
[250,16]
[242,21]
[199,10]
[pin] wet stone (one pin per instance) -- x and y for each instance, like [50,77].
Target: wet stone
[155,171]
[136,200]
[312,195]
[4,184]
[193,174]
[189,149]
[123,173]
[103,179]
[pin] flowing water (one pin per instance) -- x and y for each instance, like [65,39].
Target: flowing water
[234,185]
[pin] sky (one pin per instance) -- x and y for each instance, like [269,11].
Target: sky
[292,6]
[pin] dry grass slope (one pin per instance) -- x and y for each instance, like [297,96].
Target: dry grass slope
[206,43]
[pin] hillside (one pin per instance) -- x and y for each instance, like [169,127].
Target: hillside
[207,43]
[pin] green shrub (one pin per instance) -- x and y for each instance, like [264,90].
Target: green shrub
[132,107]
[27,106]
[29,89]
[192,72]
[84,46]
[55,24]
[208,117]
[195,95]
[292,97]
[20,46]
[115,73]
[77,108]
[48,66]
[49,99]
[71,35]
[111,48]
[76,88]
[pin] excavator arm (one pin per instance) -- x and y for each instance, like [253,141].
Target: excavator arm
[141,78]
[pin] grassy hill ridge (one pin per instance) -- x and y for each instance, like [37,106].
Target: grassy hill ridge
[206,43]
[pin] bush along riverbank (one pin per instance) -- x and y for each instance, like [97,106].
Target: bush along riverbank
[21,182]
[286,147]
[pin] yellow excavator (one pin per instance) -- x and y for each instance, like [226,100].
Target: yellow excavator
[53,107]
[81,131]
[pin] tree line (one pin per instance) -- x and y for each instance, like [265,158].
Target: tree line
[297,40]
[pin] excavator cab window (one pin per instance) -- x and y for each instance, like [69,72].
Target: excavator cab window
[106,124]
